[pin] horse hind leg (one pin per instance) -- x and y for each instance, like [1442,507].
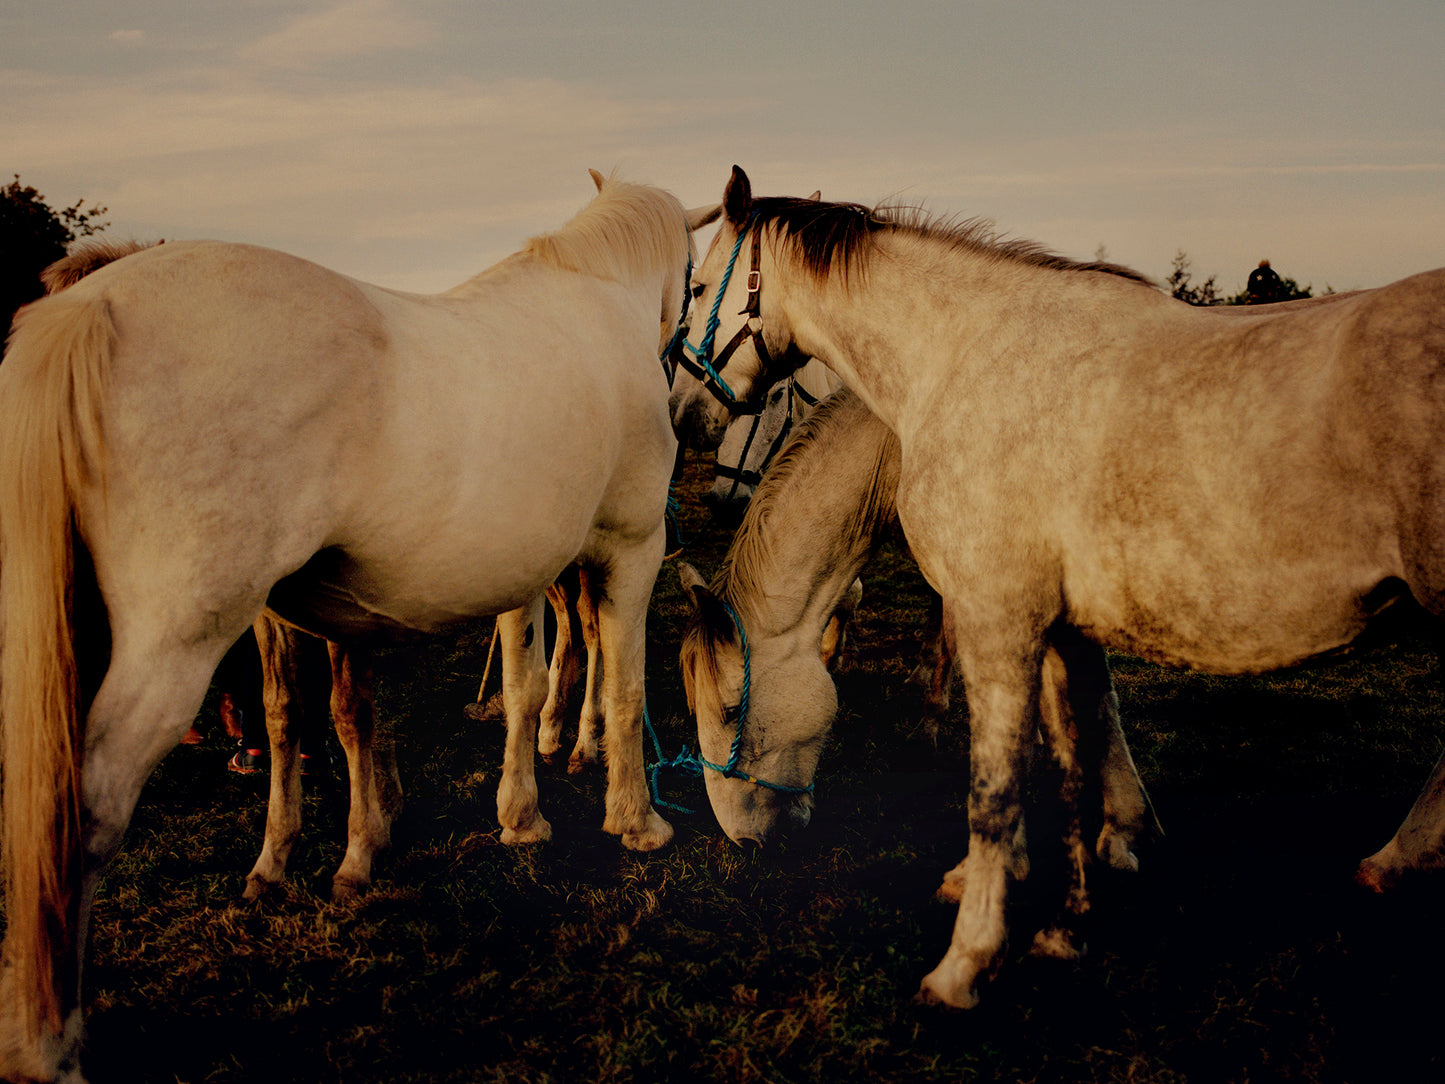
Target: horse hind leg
[1418,845]
[368,825]
[280,672]
[565,669]
[524,688]
[1079,717]
[146,703]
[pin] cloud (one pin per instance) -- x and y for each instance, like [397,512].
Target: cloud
[128,37]
[350,28]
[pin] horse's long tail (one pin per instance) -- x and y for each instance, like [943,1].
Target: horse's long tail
[52,386]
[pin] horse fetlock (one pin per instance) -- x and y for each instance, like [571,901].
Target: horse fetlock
[549,737]
[259,885]
[45,1057]
[1114,849]
[949,984]
[583,758]
[348,887]
[655,834]
[537,830]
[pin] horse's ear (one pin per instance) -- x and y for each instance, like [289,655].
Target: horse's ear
[708,610]
[738,197]
[699,217]
[692,583]
[597,179]
[817,196]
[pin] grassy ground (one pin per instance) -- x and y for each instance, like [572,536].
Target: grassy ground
[1240,952]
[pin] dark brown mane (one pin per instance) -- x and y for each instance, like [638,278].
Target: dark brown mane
[836,238]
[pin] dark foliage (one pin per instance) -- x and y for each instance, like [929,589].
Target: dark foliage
[32,236]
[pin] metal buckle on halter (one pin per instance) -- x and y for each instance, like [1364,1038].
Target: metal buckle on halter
[755,278]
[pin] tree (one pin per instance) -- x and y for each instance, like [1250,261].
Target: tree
[1181,286]
[33,236]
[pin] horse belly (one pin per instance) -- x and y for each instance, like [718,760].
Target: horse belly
[1244,624]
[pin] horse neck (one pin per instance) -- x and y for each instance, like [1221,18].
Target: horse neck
[906,321]
[813,522]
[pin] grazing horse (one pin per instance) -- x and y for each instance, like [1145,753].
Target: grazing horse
[375,799]
[1086,461]
[203,430]
[815,521]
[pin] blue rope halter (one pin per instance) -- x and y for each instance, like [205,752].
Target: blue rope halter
[702,364]
[702,352]
[689,763]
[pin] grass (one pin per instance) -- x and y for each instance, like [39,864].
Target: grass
[1240,952]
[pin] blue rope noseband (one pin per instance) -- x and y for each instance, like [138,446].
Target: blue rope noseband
[689,763]
[702,364]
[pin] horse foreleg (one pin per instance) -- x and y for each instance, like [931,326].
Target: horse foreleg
[833,647]
[280,685]
[622,625]
[368,825]
[524,688]
[589,724]
[1419,843]
[1003,704]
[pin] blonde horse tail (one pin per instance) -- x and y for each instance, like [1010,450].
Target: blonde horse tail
[52,387]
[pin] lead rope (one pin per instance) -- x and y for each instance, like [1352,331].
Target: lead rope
[690,763]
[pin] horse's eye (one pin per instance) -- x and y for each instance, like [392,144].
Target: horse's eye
[730,714]
[697,289]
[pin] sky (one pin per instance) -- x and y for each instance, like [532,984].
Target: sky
[413,144]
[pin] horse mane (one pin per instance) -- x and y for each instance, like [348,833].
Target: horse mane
[750,562]
[624,234]
[91,256]
[804,463]
[838,238]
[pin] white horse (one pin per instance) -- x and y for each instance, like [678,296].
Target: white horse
[375,796]
[202,430]
[815,521]
[1088,461]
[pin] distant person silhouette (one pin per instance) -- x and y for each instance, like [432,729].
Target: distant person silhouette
[1264,285]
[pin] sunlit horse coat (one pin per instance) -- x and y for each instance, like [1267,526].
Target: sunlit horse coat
[201,430]
[1086,461]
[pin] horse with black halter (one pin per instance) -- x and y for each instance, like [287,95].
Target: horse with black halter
[1089,463]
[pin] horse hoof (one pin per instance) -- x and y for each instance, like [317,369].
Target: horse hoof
[578,763]
[934,992]
[1113,850]
[347,889]
[658,833]
[1056,944]
[257,887]
[539,831]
